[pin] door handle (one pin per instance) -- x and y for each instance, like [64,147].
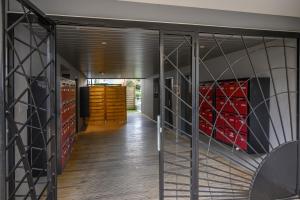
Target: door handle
[158,133]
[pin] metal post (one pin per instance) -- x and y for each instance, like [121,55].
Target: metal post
[195,118]
[53,112]
[2,109]
[298,117]
[158,133]
[57,120]
[10,88]
[162,115]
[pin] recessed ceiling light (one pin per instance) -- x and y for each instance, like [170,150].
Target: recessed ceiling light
[104,43]
[202,46]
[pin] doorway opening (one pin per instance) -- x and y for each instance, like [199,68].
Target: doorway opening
[117,144]
[227,100]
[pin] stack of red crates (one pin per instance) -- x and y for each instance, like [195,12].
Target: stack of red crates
[231,113]
[68,118]
[206,108]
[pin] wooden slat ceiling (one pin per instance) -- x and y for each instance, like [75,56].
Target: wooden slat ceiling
[110,52]
[132,53]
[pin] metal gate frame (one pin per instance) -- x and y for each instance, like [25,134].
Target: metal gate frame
[194,189]
[10,137]
[195,29]
[195,104]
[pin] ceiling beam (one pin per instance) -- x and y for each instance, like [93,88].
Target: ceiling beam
[116,23]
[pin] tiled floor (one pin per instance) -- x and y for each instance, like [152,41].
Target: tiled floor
[122,164]
[114,164]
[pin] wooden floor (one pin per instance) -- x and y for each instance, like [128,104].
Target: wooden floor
[114,164]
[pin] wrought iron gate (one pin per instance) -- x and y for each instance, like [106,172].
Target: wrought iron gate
[176,155]
[234,130]
[28,103]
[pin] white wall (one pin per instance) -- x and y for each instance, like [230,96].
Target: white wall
[271,7]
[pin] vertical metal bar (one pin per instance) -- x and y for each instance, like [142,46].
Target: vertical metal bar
[77,103]
[2,106]
[57,119]
[178,94]
[10,99]
[195,118]
[52,130]
[162,115]
[49,129]
[58,116]
[54,112]
[9,85]
[297,116]
[298,89]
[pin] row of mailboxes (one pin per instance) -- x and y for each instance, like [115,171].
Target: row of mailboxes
[238,123]
[68,129]
[225,88]
[67,120]
[229,136]
[237,106]
[206,109]
[232,89]
[231,104]
[224,112]
[68,92]
[68,111]
[230,124]
[66,150]
[232,109]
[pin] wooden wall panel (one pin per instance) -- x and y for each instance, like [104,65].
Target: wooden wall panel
[107,105]
[97,105]
[116,104]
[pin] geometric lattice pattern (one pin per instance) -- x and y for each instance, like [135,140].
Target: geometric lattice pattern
[217,156]
[30,104]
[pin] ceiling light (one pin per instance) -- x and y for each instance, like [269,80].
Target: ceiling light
[104,43]
[202,46]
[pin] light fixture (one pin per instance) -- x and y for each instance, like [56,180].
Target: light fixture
[202,46]
[104,43]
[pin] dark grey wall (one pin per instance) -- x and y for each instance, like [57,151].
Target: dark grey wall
[147,97]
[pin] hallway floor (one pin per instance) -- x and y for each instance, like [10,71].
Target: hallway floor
[114,164]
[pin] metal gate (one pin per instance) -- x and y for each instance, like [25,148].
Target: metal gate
[176,157]
[234,126]
[28,128]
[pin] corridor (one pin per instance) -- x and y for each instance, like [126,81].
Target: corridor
[113,164]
